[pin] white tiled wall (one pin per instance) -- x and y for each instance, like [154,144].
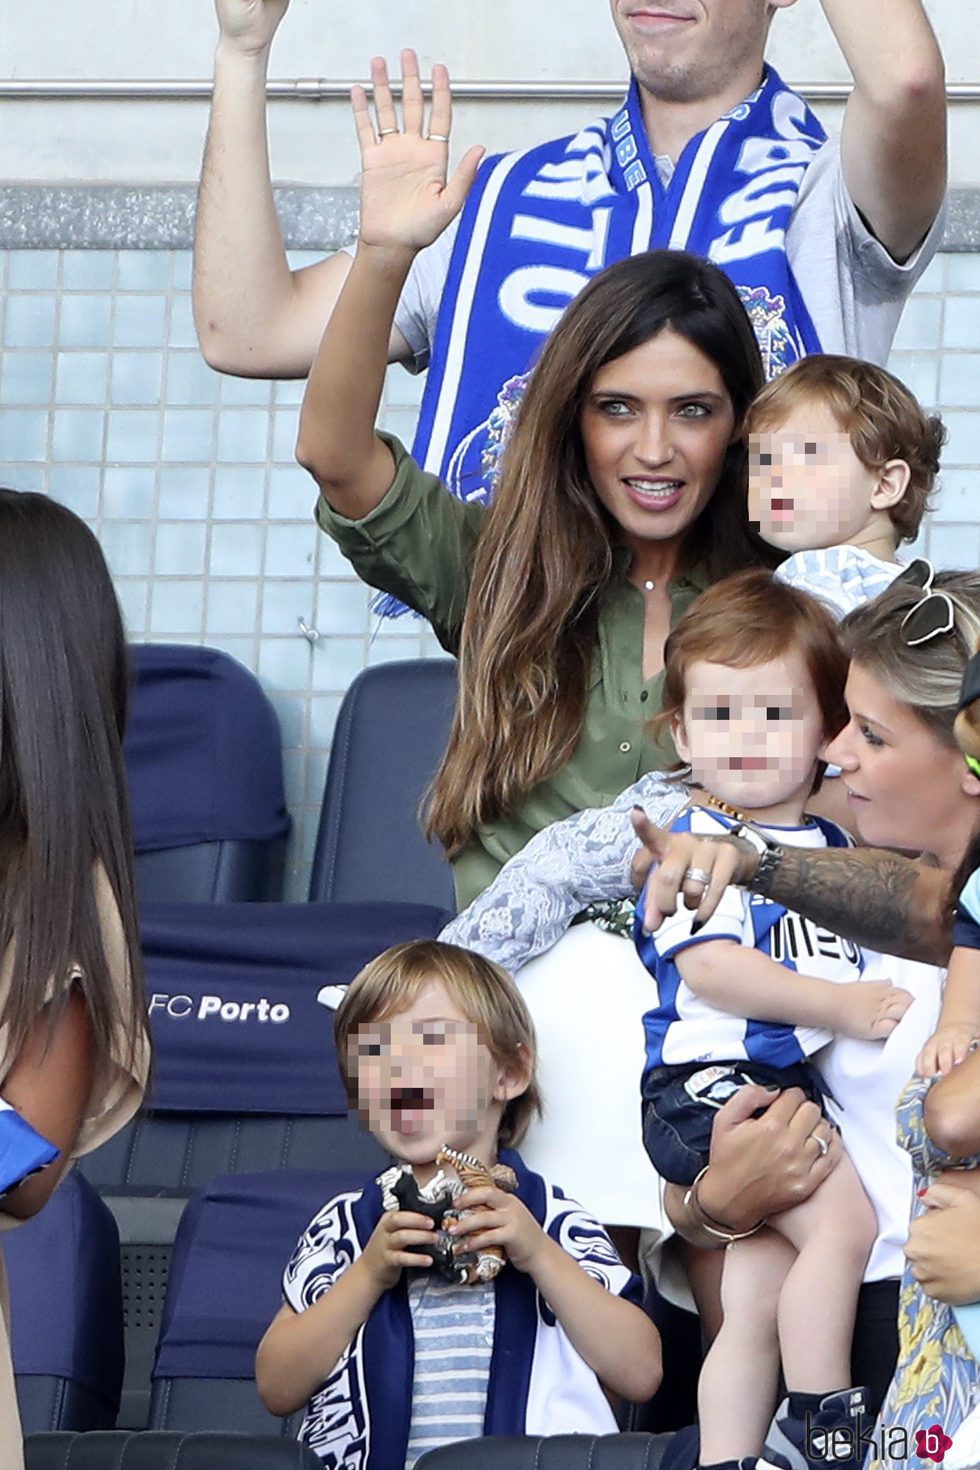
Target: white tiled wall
[189,480]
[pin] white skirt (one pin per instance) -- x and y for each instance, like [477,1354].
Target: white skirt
[587,996]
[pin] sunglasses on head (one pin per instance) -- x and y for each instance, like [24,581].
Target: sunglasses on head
[933,614]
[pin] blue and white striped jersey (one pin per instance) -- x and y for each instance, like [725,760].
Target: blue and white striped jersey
[683,1027]
[843,577]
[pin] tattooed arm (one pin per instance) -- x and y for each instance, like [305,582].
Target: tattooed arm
[879,899]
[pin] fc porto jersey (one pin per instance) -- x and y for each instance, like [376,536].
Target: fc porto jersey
[684,1027]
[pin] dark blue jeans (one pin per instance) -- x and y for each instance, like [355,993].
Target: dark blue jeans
[680,1104]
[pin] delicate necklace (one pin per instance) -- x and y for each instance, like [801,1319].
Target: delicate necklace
[649,585]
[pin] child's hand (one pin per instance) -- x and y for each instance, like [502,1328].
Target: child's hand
[387,1251]
[406,200]
[945,1049]
[506,1222]
[871,1009]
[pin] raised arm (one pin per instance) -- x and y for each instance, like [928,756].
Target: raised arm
[254,316]
[406,202]
[893,139]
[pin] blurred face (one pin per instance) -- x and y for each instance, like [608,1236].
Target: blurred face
[807,487]
[906,787]
[753,736]
[655,428]
[425,1079]
[689,50]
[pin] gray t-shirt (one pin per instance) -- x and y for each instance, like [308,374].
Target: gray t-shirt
[853,289]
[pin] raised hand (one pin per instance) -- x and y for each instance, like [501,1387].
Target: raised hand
[250,25]
[406,199]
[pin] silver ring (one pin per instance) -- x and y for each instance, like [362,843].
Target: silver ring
[822,1144]
[437,138]
[697,875]
[387,132]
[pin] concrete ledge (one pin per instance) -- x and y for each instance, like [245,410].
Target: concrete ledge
[161,217]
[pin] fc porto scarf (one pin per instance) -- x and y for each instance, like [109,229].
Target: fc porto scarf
[539,224]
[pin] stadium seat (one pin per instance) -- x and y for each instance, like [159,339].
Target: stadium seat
[391,733]
[555,1452]
[204,759]
[67,1312]
[675,1403]
[126,1451]
[245,1074]
[233,1243]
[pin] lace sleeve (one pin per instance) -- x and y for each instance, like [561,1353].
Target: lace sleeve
[585,859]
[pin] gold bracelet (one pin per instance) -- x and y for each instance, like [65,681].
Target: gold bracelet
[705,1221]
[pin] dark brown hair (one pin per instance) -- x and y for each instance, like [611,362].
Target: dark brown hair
[64,807]
[545,555]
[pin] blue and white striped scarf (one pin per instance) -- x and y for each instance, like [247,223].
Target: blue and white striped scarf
[539,224]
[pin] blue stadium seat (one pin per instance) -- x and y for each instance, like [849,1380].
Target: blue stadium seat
[204,759]
[391,734]
[67,1311]
[234,1240]
[554,1452]
[126,1451]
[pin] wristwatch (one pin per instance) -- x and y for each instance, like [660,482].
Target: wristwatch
[770,856]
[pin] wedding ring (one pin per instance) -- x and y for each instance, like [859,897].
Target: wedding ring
[697,875]
[387,132]
[822,1144]
[438,138]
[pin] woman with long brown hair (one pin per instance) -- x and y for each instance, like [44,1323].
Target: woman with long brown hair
[73,1049]
[621,496]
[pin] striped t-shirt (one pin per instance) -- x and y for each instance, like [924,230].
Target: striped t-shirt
[843,577]
[453,1329]
[684,1026]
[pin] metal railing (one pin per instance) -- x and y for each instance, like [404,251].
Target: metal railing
[323,89]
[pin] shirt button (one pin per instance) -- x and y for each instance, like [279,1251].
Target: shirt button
[625,747]
[644,694]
